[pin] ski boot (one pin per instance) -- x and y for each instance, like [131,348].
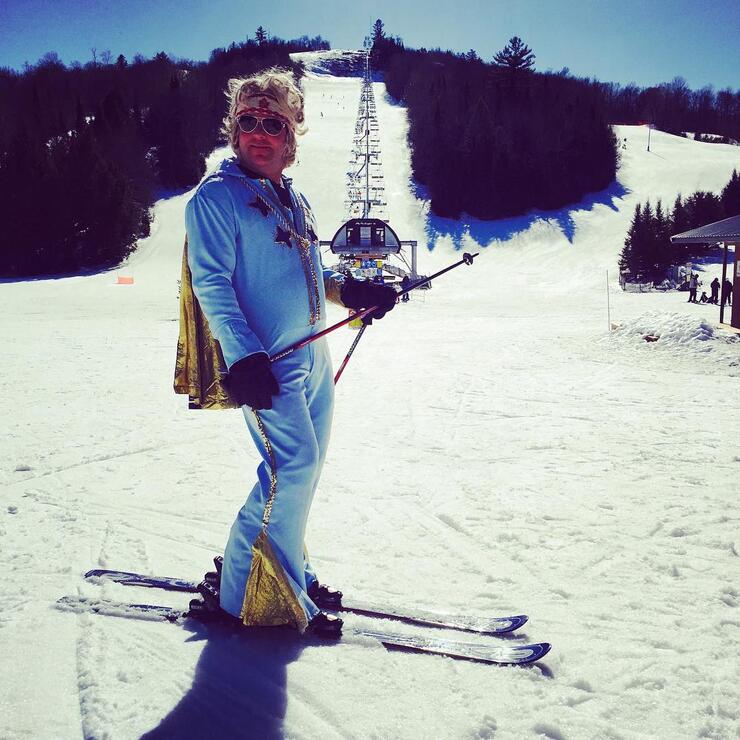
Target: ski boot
[208,607]
[325,625]
[214,576]
[324,597]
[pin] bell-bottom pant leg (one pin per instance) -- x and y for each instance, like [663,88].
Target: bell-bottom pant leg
[321,388]
[292,455]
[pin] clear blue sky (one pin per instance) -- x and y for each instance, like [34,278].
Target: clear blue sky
[641,41]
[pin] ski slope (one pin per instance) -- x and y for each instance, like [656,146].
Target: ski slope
[495,450]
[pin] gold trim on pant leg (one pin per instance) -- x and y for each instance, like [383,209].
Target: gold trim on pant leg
[273,470]
[269,599]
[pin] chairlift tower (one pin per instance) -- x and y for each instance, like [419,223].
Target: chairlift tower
[365,241]
[365,189]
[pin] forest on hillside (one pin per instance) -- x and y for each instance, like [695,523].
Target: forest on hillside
[85,149]
[495,142]
[496,139]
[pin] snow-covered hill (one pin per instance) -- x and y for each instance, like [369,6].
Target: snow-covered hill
[495,450]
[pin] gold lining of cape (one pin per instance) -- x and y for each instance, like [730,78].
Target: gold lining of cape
[269,599]
[199,364]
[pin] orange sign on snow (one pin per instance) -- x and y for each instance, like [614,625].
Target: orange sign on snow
[125,280]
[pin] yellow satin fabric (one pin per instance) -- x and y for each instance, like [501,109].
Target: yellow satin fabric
[199,364]
[269,600]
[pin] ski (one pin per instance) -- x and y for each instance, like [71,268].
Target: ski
[491,654]
[481,625]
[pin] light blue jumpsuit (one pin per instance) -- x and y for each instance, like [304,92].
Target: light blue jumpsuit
[261,288]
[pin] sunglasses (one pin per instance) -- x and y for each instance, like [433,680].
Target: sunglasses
[271,126]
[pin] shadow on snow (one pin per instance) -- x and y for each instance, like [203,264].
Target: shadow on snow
[240,684]
[484,232]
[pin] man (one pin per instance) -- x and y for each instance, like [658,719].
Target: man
[256,270]
[714,285]
[693,285]
[727,292]
[405,283]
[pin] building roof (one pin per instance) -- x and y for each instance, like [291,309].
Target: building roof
[727,230]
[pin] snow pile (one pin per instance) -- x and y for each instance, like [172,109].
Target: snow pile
[685,336]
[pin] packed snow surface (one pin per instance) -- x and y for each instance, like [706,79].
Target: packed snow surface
[496,450]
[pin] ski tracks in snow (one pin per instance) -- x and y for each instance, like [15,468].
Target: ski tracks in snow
[494,450]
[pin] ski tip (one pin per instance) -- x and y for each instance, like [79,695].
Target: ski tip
[517,621]
[502,625]
[539,651]
[106,572]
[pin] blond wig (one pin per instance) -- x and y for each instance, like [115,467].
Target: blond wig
[278,83]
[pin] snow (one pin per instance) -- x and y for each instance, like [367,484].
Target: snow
[496,449]
[679,336]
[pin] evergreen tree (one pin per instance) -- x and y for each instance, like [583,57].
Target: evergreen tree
[383,47]
[644,244]
[76,193]
[176,130]
[679,217]
[660,253]
[703,208]
[260,35]
[627,258]
[516,55]
[378,32]
[27,207]
[679,221]
[731,196]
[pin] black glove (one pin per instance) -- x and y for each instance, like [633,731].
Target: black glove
[363,294]
[250,381]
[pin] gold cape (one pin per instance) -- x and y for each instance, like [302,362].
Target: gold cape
[199,365]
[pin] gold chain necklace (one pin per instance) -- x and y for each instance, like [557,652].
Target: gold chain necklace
[304,251]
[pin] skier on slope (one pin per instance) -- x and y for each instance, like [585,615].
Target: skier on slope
[256,271]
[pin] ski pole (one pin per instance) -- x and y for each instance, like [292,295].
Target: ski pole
[466,260]
[307,340]
[349,353]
